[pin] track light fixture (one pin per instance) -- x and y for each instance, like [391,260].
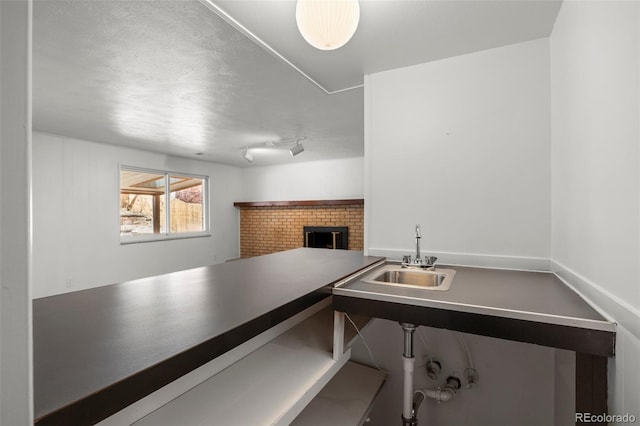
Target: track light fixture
[272,147]
[296,149]
[247,155]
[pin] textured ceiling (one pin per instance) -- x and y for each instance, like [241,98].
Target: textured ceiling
[173,76]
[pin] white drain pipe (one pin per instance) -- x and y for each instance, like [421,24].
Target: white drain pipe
[407,398]
[408,362]
[440,395]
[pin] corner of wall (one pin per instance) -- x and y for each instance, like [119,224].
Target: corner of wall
[368,93]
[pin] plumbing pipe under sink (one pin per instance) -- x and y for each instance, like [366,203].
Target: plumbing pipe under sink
[443,394]
[411,400]
[408,359]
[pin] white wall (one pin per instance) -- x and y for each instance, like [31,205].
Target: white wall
[461,146]
[595,243]
[314,180]
[16,390]
[76,217]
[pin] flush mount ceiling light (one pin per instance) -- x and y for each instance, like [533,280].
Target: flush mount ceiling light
[327,24]
[247,155]
[296,149]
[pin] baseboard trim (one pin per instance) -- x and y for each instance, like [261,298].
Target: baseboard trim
[471,259]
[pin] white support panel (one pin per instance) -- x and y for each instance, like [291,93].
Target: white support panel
[338,334]
[346,400]
[270,386]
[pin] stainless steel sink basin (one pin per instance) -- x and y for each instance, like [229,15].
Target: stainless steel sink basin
[440,279]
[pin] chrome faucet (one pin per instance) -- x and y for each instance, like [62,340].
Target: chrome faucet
[418,236]
[427,263]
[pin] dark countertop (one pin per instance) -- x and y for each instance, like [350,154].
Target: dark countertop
[98,350]
[534,307]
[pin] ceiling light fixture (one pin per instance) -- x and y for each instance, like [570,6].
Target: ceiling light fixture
[327,24]
[247,155]
[296,149]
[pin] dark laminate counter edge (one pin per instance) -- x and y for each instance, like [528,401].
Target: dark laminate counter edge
[582,340]
[108,401]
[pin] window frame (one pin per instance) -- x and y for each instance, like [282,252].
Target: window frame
[167,234]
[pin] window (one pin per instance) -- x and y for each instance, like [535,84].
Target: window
[144,198]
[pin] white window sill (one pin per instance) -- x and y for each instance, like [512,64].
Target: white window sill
[148,238]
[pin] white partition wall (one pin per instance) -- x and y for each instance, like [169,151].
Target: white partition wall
[15,213]
[461,146]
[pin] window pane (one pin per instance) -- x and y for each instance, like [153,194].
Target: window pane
[186,197]
[142,199]
[144,213]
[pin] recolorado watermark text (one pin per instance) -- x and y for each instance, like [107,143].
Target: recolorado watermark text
[605,418]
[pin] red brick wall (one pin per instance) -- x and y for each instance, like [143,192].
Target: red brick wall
[265,230]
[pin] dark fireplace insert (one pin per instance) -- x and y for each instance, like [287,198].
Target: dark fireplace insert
[329,237]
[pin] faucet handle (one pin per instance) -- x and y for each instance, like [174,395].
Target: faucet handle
[430,260]
[406,258]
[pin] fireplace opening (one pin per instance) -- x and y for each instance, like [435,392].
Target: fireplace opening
[329,237]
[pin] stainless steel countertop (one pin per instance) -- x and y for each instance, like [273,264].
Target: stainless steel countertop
[533,296]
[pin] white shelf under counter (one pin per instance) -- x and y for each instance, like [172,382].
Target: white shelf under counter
[346,400]
[273,384]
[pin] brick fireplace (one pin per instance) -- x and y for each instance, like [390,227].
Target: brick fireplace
[272,226]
